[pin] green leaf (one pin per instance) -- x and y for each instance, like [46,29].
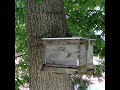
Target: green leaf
[17,86]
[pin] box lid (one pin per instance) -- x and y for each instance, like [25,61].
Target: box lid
[67,40]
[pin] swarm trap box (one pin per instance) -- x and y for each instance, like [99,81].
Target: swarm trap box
[64,55]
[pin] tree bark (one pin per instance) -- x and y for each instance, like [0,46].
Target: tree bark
[46,19]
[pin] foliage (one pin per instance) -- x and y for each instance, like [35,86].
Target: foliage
[78,80]
[21,69]
[99,69]
[83,84]
[20,31]
[83,20]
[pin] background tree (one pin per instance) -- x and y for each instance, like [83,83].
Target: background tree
[84,17]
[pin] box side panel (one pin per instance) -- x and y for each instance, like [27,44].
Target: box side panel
[83,54]
[90,54]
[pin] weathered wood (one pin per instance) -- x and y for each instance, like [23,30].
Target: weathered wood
[68,70]
[61,66]
[60,70]
[62,54]
[66,54]
[58,53]
[90,54]
[66,41]
[82,55]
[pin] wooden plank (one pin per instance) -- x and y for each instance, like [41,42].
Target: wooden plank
[90,54]
[59,70]
[68,54]
[61,66]
[62,54]
[66,41]
[61,42]
[54,69]
[83,55]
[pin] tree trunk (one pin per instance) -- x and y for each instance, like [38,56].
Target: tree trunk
[46,19]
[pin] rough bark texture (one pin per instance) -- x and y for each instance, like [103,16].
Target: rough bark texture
[45,19]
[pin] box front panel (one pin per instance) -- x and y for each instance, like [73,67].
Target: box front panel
[62,54]
[69,55]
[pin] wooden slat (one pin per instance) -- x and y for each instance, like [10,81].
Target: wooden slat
[60,70]
[65,41]
[61,66]
[66,69]
[56,69]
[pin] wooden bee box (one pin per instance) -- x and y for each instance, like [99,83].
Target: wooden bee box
[68,53]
